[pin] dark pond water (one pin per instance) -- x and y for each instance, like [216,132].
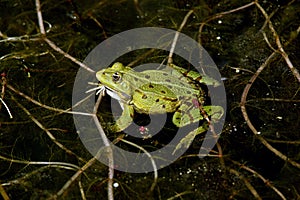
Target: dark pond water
[36,79]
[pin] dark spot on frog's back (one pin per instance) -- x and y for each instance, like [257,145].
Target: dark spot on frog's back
[151,86]
[189,104]
[182,84]
[170,86]
[165,74]
[147,76]
[163,92]
[144,96]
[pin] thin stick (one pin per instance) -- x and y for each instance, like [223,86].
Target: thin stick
[3,88]
[3,193]
[251,81]
[267,182]
[12,160]
[59,50]
[247,183]
[152,161]
[283,141]
[109,151]
[99,24]
[46,106]
[248,121]
[177,35]
[280,100]
[81,190]
[138,8]
[50,135]
[278,42]
[10,115]
[90,163]
[51,44]
[40,17]
[219,15]
[73,178]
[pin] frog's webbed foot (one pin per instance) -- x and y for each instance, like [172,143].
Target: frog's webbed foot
[122,122]
[214,112]
[115,127]
[188,139]
[111,127]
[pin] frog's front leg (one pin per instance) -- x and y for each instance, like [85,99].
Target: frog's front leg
[215,113]
[124,120]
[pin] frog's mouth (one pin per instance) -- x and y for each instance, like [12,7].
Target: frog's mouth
[119,96]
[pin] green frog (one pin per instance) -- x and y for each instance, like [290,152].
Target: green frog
[175,90]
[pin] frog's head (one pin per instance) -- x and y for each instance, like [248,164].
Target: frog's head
[113,79]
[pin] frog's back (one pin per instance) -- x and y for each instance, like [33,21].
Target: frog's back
[180,85]
[155,98]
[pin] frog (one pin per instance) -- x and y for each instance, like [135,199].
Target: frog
[172,90]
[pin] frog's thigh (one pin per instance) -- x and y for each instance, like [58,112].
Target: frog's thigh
[186,115]
[125,119]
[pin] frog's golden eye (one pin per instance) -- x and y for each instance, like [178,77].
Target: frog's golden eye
[116,77]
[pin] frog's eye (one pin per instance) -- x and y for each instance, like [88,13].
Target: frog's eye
[116,77]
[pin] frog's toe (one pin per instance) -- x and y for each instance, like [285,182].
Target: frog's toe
[188,139]
[185,142]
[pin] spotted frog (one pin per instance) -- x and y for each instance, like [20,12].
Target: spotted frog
[175,90]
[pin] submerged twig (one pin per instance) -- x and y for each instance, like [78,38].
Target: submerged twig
[68,110]
[52,44]
[219,15]
[152,161]
[73,178]
[254,77]
[3,193]
[107,144]
[81,190]
[49,163]
[59,50]
[3,89]
[267,182]
[248,121]
[138,7]
[50,135]
[247,183]
[6,107]
[278,43]
[177,35]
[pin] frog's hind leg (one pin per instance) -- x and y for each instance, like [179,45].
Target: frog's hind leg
[215,113]
[188,139]
[124,120]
